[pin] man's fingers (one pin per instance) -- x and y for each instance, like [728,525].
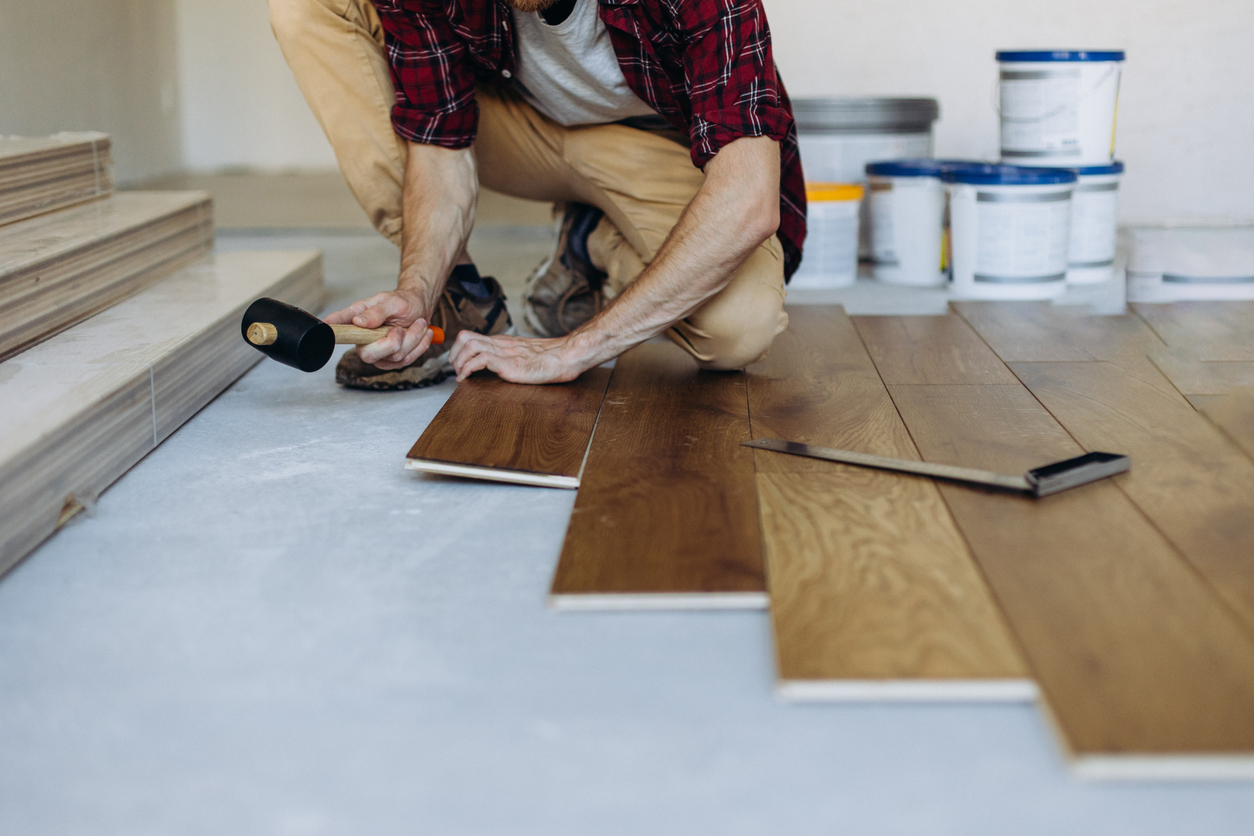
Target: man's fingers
[345,316]
[384,348]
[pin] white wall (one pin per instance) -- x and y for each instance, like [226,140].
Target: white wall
[106,65]
[241,107]
[1186,110]
[1186,115]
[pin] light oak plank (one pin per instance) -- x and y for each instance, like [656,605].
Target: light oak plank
[42,174]
[666,514]
[1186,476]
[1208,331]
[873,592]
[506,432]
[1199,377]
[1233,414]
[1041,331]
[929,349]
[77,410]
[60,268]
[1136,660]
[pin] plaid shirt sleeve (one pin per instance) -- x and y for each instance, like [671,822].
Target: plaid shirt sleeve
[432,74]
[730,74]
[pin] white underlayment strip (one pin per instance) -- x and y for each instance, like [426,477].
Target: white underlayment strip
[1165,767]
[907,690]
[493,474]
[630,601]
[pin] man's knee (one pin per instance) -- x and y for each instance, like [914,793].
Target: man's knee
[290,18]
[744,339]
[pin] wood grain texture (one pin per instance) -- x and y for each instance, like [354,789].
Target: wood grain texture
[77,410]
[666,514]
[60,268]
[1233,414]
[873,592]
[503,431]
[41,174]
[1208,331]
[1200,377]
[1190,480]
[929,349]
[1041,331]
[1143,671]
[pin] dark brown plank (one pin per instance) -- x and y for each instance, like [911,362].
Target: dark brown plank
[873,592]
[929,349]
[1186,476]
[1142,670]
[1043,332]
[490,429]
[1215,331]
[667,514]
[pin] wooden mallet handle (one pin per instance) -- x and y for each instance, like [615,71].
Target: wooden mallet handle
[263,333]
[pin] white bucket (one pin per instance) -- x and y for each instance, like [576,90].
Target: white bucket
[1010,231]
[830,258]
[1176,264]
[907,215]
[1059,108]
[1094,224]
[838,137]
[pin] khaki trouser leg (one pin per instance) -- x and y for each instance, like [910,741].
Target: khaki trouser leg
[642,181]
[335,50]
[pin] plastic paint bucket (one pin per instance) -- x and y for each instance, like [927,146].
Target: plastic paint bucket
[1059,107]
[1176,264]
[1010,230]
[830,258]
[838,137]
[907,213]
[1094,224]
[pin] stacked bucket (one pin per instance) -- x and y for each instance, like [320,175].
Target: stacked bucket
[1043,218]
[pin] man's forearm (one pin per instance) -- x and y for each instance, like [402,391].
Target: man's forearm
[733,213]
[440,190]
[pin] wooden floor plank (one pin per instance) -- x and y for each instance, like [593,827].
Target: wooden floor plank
[1186,476]
[1041,331]
[77,410]
[506,432]
[1143,671]
[873,592]
[1214,331]
[1233,414]
[929,349]
[42,174]
[666,515]
[1201,377]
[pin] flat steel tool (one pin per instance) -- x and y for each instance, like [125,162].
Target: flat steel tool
[1039,481]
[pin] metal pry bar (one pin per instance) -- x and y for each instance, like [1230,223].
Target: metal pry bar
[1040,481]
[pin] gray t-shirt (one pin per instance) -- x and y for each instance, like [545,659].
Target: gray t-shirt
[569,72]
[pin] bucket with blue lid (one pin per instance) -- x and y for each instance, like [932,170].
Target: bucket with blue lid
[907,219]
[1010,230]
[1058,107]
[1094,224]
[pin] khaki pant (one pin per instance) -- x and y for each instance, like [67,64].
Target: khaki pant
[641,180]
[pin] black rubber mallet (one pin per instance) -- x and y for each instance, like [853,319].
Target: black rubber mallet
[299,339]
[1039,481]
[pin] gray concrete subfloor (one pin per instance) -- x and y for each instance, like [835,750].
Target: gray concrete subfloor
[269,627]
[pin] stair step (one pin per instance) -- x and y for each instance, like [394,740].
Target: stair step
[40,174]
[79,409]
[60,268]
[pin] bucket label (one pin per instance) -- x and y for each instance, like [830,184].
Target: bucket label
[1040,113]
[1022,238]
[1094,222]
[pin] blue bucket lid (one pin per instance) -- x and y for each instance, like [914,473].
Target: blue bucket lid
[1008,175]
[1091,170]
[916,167]
[1036,56]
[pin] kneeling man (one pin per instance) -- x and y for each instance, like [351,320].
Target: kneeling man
[660,128]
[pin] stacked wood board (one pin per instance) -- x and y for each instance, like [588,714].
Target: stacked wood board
[79,409]
[40,174]
[60,268]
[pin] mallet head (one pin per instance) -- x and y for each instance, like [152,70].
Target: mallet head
[286,333]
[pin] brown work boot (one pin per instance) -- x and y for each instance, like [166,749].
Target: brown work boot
[566,290]
[467,303]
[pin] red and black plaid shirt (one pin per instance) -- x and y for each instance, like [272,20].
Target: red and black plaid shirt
[705,65]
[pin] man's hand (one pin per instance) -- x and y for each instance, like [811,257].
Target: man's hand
[405,342]
[518,359]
